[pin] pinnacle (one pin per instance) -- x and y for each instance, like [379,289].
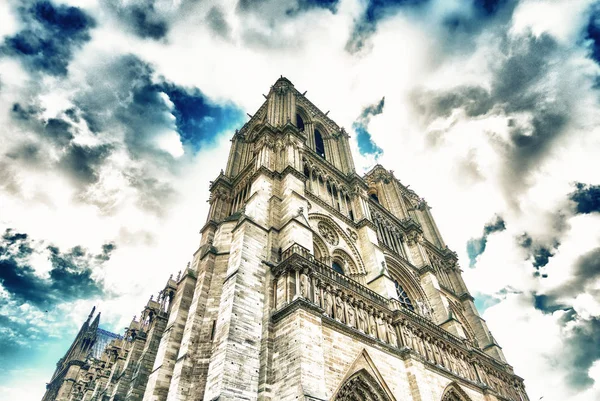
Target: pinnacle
[282,80]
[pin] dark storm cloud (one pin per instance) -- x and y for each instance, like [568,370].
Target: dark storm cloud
[83,162]
[586,198]
[58,131]
[592,34]
[124,97]
[50,35]
[132,99]
[197,119]
[518,88]
[489,6]
[476,246]
[216,20]
[585,273]
[128,109]
[539,252]
[475,101]
[292,9]
[24,113]
[69,278]
[155,193]
[366,145]
[141,17]
[582,351]
[80,162]
[26,151]
[583,337]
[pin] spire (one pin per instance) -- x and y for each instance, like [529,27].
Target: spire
[91,314]
[96,321]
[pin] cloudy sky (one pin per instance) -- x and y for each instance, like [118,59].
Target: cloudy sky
[115,114]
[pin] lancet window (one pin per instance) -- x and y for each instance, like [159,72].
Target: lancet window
[240,198]
[319,144]
[337,267]
[299,122]
[388,234]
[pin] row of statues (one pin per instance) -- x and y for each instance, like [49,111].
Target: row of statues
[347,309]
[376,321]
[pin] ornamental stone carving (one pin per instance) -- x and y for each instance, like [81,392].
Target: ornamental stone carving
[352,234]
[328,233]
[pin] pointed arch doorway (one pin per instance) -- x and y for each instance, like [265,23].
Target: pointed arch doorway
[454,392]
[361,386]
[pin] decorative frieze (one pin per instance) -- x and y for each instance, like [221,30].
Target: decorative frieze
[336,296]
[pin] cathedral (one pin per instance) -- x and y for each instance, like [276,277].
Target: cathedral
[310,282]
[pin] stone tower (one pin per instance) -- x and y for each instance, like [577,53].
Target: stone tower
[312,283]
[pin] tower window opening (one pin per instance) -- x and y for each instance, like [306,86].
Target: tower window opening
[319,145]
[403,297]
[374,197]
[337,267]
[213,329]
[299,122]
[306,172]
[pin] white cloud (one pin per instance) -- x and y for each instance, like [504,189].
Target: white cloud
[462,163]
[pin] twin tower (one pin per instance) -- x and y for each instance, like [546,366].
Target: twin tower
[310,283]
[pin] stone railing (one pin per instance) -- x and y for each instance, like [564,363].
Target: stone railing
[300,275]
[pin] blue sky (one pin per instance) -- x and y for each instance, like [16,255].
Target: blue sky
[114,117]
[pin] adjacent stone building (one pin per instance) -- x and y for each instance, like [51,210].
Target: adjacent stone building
[311,282]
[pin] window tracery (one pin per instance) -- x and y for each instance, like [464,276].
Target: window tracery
[328,233]
[403,296]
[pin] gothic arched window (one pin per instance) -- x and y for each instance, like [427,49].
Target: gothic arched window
[299,122]
[337,267]
[374,196]
[319,144]
[403,297]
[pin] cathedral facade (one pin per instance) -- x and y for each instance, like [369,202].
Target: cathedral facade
[310,282]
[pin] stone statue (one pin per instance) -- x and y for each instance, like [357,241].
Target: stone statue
[339,308]
[392,338]
[328,301]
[362,320]
[350,315]
[304,285]
[372,324]
[381,327]
[317,295]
